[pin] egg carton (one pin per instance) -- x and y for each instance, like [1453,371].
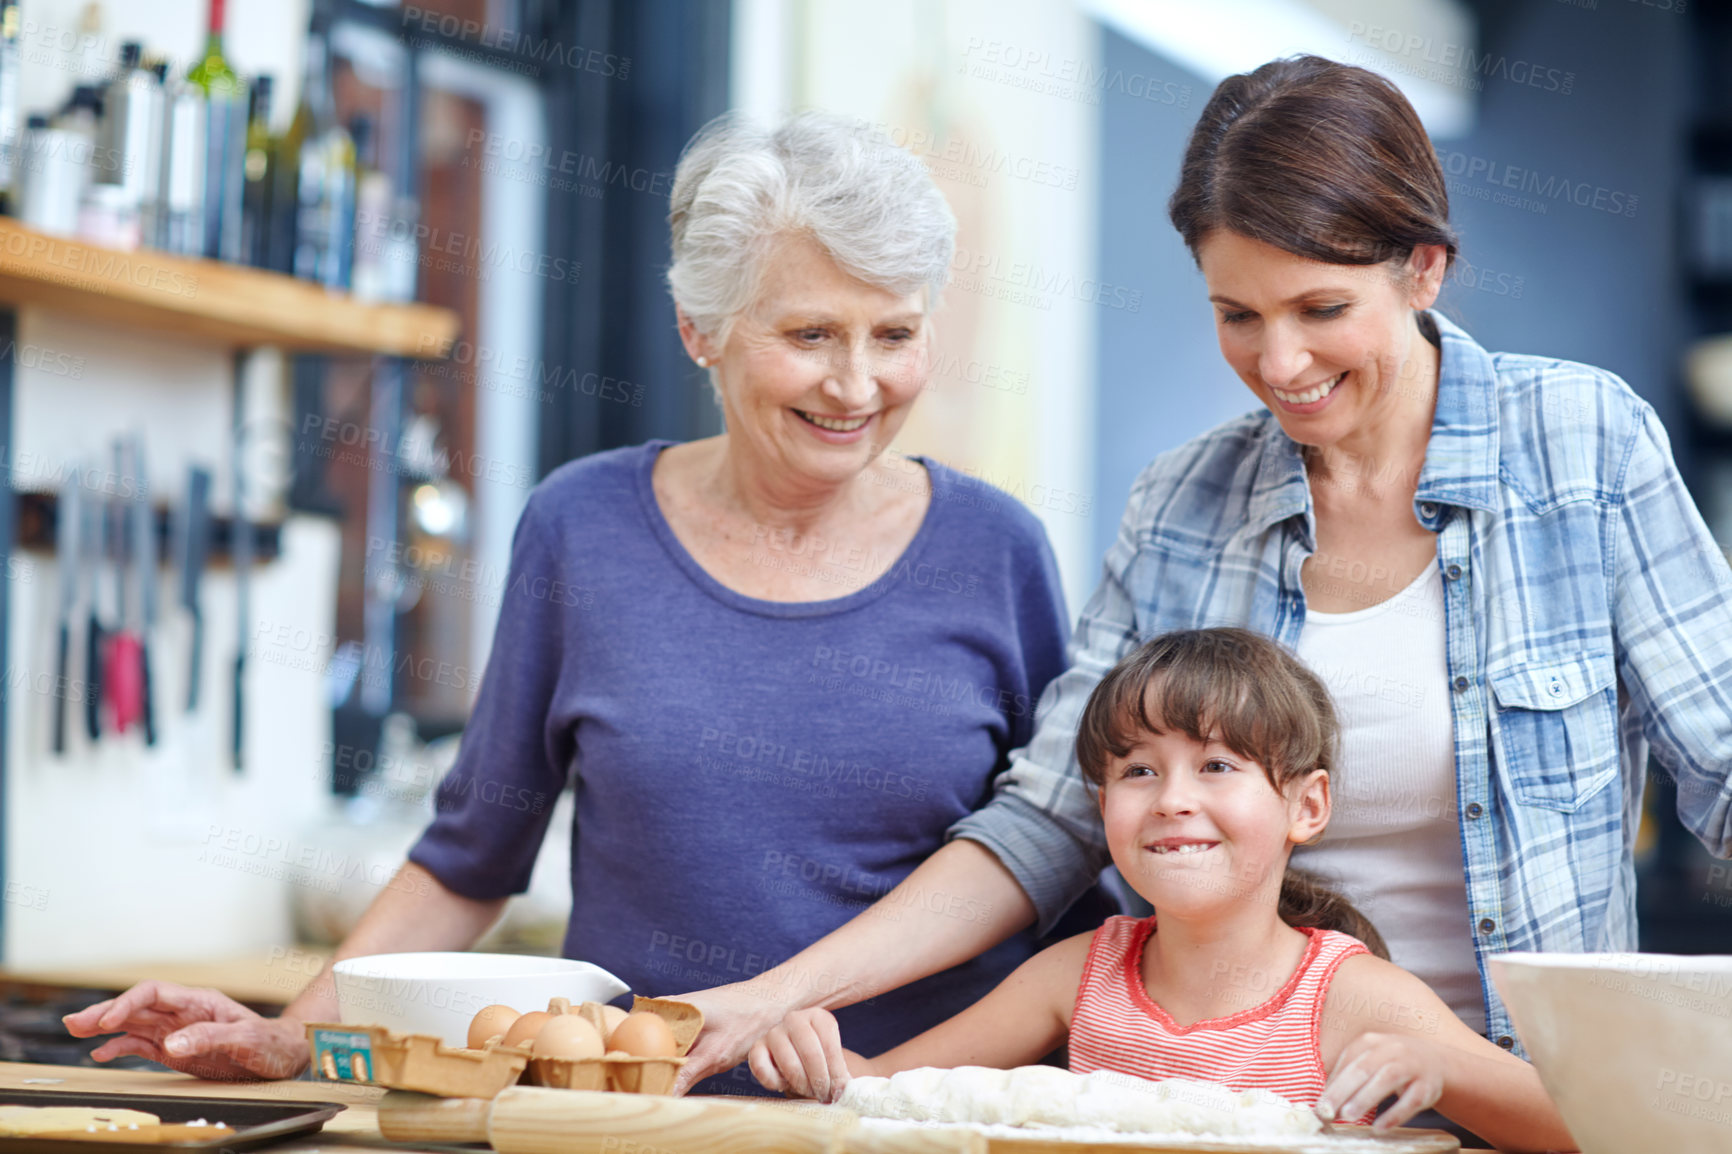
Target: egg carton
[628,1075]
[376,1056]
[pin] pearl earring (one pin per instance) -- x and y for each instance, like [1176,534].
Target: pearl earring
[703,362]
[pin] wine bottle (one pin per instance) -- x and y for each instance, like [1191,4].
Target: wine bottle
[285,180]
[181,191]
[325,182]
[226,142]
[212,74]
[129,138]
[261,175]
[373,204]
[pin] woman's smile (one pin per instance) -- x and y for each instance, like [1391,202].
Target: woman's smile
[836,430]
[1310,399]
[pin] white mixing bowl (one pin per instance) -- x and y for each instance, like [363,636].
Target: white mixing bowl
[431,993]
[1635,1049]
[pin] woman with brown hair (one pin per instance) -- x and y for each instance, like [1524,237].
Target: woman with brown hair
[1489,558]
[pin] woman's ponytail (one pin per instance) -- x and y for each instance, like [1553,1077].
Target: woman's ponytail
[1308,900]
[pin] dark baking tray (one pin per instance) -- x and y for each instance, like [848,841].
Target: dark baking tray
[256,1121]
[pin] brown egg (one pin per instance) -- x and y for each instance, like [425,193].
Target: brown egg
[611,1017]
[644,1035]
[491,1020]
[567,1036]
[523,1031]
[617,1054]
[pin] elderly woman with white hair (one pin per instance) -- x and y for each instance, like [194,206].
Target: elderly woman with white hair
[777,666]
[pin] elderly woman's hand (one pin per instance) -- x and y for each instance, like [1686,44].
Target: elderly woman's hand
[196,1031]
[735,1016]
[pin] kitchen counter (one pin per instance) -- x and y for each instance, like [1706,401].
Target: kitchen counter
[356,1128]
[264,978]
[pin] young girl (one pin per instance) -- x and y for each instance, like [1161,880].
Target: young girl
[1209,751]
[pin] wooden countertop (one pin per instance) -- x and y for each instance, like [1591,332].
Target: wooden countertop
[266,978]
[355,1128]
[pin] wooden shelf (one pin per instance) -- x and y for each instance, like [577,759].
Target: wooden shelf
[209,301]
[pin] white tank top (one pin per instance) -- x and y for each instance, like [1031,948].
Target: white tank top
[1393,846]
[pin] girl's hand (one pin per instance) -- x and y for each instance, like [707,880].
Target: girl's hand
[1372,1067]
[735,1016]
[802,1057]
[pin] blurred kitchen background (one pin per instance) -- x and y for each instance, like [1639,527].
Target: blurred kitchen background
[312,487]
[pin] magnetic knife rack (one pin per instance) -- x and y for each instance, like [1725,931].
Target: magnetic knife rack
[39,518]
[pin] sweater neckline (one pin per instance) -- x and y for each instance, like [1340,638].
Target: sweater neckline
[701,577]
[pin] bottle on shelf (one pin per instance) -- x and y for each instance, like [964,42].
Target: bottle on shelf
[324,179]
[180,226]
[261,175]
[373,203]
[51,176]
[129,139]
[226,142]
[79,119]
[385,250]
[10,61]
[286,174]
[80,116]
[106,215]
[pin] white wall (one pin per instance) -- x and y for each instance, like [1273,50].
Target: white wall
[1013,398]
[263,36]
[115,853]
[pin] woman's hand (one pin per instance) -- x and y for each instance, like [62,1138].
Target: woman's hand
[196,1031]
[735,1016]
[803,1057]
[1375,1065]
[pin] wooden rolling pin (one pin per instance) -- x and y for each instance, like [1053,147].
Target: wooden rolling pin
[535,1120]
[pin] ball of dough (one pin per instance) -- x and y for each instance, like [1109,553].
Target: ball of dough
[1041,1096]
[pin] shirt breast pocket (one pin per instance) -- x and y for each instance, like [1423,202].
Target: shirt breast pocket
[1555,728]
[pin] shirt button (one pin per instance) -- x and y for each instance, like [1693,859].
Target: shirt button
[1486,925]
[1453,572]
[1556,688]
[1506,1042]
[1461,683]
[1474,809]
[1428,510]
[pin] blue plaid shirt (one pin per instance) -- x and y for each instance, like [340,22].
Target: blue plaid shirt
[1588,614]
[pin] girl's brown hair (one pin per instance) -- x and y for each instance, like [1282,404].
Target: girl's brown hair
[1322,160]
[1247,692]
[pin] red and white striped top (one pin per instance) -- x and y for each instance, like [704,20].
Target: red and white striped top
[1272,1046]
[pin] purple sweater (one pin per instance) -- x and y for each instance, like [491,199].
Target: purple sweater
[749,774]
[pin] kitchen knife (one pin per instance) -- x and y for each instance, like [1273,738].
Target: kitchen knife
[121,665]
[144,541]
[91,531]
[67,530]
[193,553]
[241,550]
